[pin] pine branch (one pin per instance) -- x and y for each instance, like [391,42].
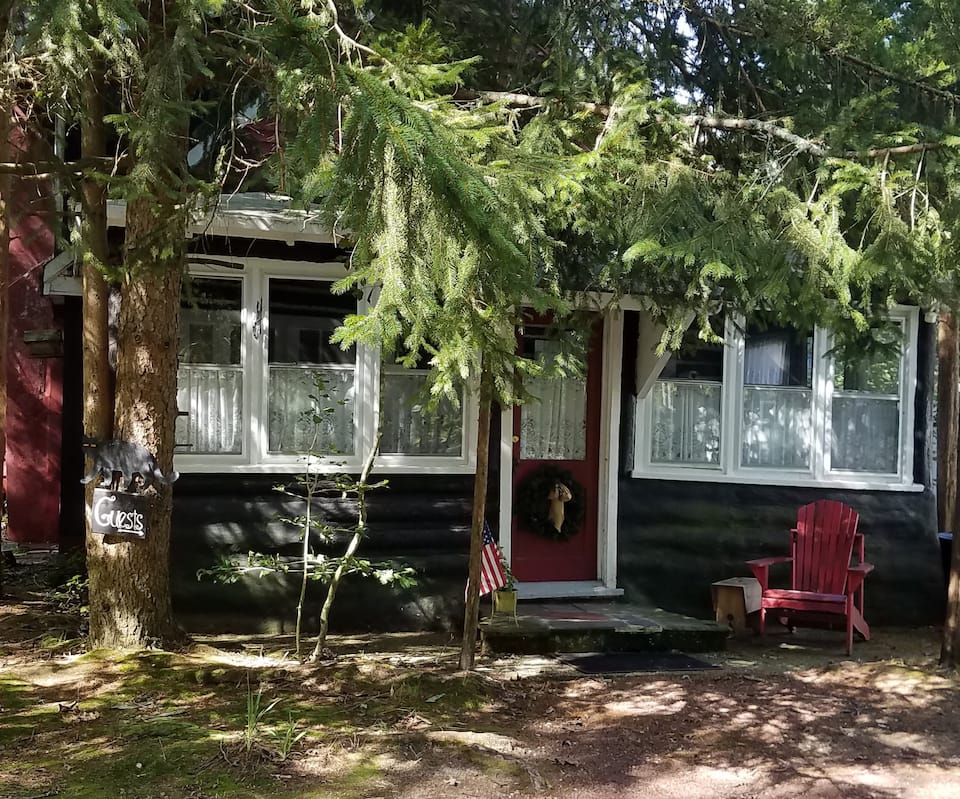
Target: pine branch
[767,127]
[771,129]
[904,149]
[48,168]
[831,51]
[349,40]
[523,100]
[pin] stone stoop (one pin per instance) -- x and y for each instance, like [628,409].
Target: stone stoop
[542,628]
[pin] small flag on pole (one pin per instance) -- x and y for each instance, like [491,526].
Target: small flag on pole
[492,575]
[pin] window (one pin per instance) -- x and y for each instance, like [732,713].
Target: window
[777,409]
[865,411]
[210,374]
[407,427]
[687,403]
[255,337]
[776,405]
[555,426]
[301,317]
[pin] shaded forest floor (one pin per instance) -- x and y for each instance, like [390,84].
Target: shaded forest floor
[390,717]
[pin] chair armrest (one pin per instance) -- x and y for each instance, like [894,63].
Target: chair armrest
[761,569]
[766,562]
[856,575]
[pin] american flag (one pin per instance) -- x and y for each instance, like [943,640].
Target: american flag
[492,575]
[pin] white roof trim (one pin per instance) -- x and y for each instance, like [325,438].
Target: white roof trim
[59,279]
[249,216]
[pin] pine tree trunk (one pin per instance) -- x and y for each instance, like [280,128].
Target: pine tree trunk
[947,451]
[97,396]
[471,617]
[947,422]
[950,648]
[130,603]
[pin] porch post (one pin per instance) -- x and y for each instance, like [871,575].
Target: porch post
[609,447]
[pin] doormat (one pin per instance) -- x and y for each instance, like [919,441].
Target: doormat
[629,662]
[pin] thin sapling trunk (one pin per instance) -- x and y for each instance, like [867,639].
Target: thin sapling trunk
[471,618]
[359,531]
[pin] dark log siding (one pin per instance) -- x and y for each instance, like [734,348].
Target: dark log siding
[676,538]
[419,521]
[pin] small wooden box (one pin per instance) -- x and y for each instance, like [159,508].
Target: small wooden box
[734,600]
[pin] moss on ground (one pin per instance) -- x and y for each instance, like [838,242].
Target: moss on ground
[165,725]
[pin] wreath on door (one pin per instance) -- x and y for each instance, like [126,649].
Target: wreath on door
[539,493]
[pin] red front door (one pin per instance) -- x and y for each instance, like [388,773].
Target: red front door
[558,434]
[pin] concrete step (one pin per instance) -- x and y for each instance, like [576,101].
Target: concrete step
[548,627]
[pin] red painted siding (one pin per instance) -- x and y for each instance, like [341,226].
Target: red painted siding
[34,386]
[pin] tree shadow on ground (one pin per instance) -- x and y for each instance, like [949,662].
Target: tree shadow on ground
[390,716]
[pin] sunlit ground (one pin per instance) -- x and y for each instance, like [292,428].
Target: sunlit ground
[238,716]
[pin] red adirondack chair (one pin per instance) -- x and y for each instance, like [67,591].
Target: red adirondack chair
[822,580]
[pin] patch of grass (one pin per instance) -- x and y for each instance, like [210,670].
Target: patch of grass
[160,723]
[14,694]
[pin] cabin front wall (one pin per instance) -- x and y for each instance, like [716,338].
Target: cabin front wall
[659,540]
[663,541]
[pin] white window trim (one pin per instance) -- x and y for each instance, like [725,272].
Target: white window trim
[255,458]
[819,474]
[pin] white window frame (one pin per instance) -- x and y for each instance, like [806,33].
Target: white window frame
[255,457]
[819,473]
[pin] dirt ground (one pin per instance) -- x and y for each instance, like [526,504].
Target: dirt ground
[390,717]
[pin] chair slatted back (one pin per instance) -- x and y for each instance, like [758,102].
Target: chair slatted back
[822,546]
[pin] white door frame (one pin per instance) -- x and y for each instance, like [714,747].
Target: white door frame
[607,488]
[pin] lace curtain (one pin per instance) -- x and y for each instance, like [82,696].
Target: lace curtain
[289,393]
[212,396]
[210,376]
[686,422]
[866,434]
[777,412]
[554,427]
[777,427]
[410,430]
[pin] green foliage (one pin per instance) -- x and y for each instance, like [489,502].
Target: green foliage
[287,736]
[230,569]
[458,211]
[307,488]
[256,712]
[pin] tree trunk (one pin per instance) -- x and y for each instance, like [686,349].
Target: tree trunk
[947,422]
[97,396]
[130,603]
[947,450]
[950,649]
[471,616]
